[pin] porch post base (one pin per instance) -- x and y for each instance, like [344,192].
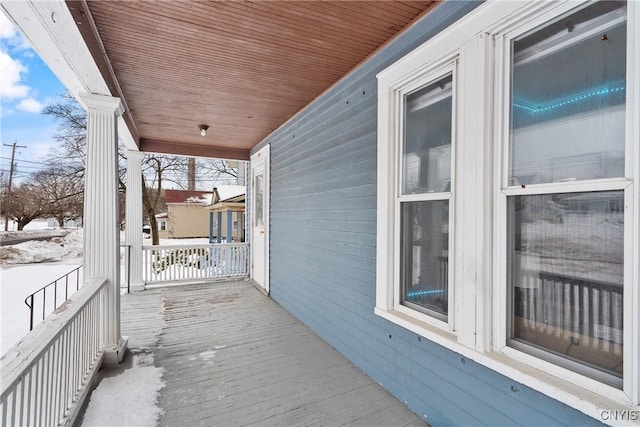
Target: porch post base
[114,354]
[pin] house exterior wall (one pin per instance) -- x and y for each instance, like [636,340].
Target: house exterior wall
[185,220]
[323,255]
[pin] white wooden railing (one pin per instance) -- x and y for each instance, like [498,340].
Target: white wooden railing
[186,263]
[47,375]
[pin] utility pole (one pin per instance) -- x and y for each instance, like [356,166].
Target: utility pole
[8,206]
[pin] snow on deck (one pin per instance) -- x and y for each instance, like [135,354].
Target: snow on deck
[232,356]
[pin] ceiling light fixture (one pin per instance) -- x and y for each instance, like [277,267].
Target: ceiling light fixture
[203,129]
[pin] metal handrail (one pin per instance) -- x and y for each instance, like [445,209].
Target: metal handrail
[29,301]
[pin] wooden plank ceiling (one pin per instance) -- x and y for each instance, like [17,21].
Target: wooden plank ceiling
[242,68]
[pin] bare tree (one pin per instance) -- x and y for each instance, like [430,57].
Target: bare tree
[63,194]
[156,171]
[27,204]
[72,136]
[219,171]
[46,193]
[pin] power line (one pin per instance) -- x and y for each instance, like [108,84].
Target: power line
[24,161]
[19,166]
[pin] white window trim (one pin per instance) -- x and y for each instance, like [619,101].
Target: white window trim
[389,157]
[480,308]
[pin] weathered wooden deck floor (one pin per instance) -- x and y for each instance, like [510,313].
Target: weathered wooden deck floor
[232,356]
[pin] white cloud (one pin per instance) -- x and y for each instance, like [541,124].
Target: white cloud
[11,71]
[30,105]
[41,151]
[7,30]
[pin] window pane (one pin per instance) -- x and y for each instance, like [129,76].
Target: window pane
[426,159]
[568,98]
[566,275]
[424,256]
[259,192]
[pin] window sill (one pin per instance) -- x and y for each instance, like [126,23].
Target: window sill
[537,374]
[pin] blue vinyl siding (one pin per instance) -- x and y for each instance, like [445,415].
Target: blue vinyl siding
[323,252]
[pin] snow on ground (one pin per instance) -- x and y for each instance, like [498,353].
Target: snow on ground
[129,398]
[35,251]
[173,242]
[16,283]
[33,225]
[38,225]
[27,267]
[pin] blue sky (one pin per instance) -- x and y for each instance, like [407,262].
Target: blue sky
[26,87]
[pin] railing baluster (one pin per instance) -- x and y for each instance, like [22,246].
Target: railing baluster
[29,392]
[59,379]
[64,393]
[76,366]
[47,391]
[37,413]
[54,379]
[4,414]
[14,404]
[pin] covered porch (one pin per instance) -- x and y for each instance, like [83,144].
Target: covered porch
[232,356]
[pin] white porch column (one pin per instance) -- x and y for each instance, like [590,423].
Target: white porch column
[133,233]
[101,215]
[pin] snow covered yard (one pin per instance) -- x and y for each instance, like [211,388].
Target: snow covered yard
[18,282]
[25,268]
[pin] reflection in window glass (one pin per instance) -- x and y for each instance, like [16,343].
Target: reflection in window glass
[259,197]
[424,256]
[426,162]
[566,275]
[568,98]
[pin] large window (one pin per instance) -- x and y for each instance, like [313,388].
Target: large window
[508,167]
[565,250]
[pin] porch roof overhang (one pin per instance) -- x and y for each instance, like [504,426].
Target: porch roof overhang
[242,68]
[226,206]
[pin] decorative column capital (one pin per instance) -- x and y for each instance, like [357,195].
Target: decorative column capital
[102,103]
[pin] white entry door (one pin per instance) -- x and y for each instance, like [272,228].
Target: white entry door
[259,212]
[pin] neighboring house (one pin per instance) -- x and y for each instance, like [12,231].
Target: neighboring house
[227,212]
[185,216]
[456,212]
